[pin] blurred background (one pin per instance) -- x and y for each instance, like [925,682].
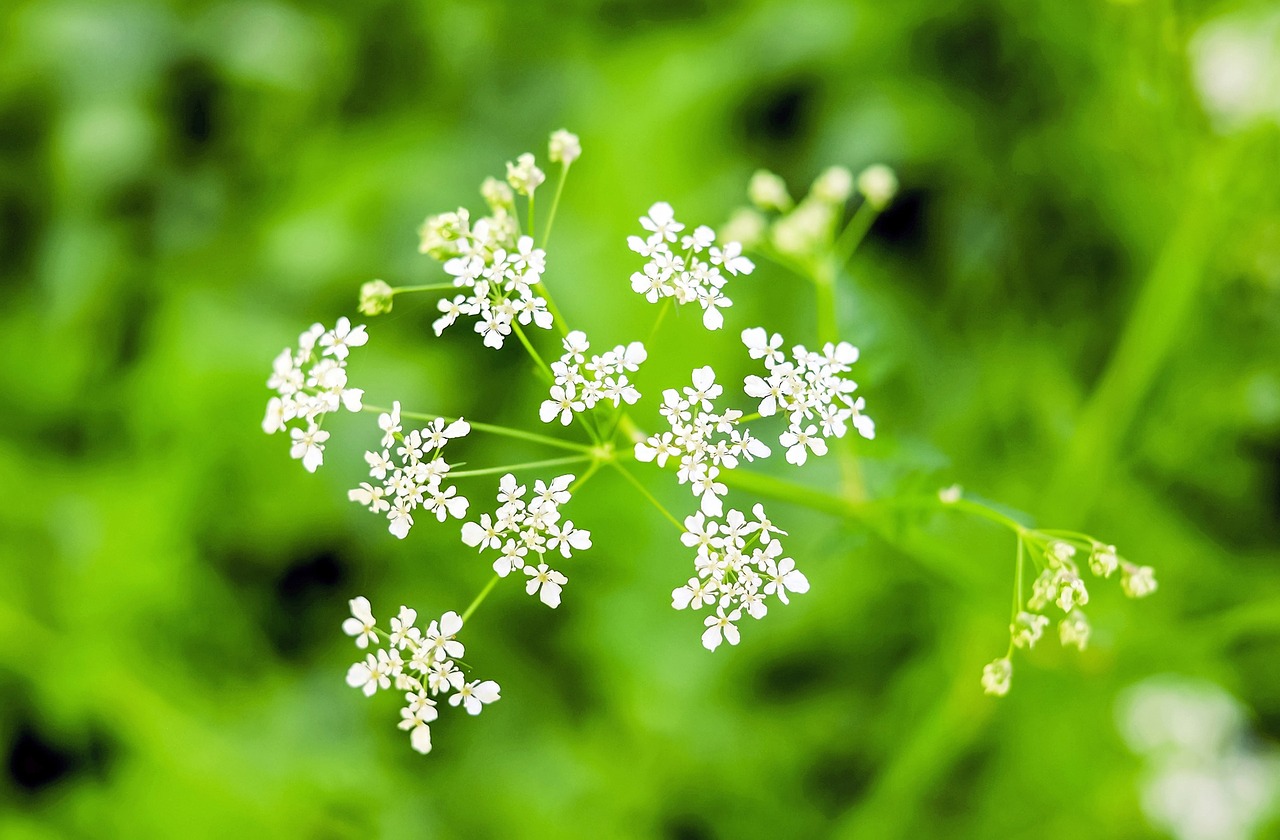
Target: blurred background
[1073,307]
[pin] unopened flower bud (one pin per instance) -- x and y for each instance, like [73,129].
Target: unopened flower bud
[375,298]
[834,185]
[565,147]
[769,192]
[878,185]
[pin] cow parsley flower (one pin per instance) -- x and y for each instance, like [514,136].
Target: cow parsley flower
[497,271]
[811,387]
[564,147]
[431,669]
[702,441]
[679,270]
[311,382]
[523,526]
[524,176]
[1060,583]
[580,385]
[738,565]
[410,472]
[997,676]
[1074,630]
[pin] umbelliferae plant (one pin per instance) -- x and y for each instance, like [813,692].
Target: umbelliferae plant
[495,264]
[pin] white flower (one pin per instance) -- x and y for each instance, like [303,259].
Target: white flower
[786,577]
[1027,628]
[566,538]
[661,222]
[796,440]
[563,402]
[441,637]
[732,260]
[1137,581]
[390,425]
[833,186]
[474,696]
[1071,591]
[564,148]
[768,192]
[309,385]
[1074,630]
[339,341]
[695,593]
[524,176]
[687,277]
[403,633]
[1103,560]
[362,623]
[719,625]
[808,385]
[545,581]
[878,185]
[420,739]
[308,445]
[996,677]
[371,674]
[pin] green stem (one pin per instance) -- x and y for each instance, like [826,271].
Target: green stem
[430,287]
[824,284]
[644,491]
[533,231]
[990,514]
[524,339]
[854,232]
[489,428]
[555,204]
[529,465]
[479,599]
[662,314]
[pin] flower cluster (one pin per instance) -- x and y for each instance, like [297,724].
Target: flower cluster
[499,288]
[1060,583]
[806,231]
[685,276]
[738,564]
[580,384]
[701,440]
[414,477]
[311,382]
[430,671]
[811,390]
[523,526]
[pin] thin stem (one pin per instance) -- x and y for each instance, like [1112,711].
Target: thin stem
[1017,580]
[854,232]
[484,593]
[533,231]
[489,428]
[524,339]
[529,465]
[430,287]
[582,479]
[662,314]
[824,284]
[644,491]
[991,514]
[555,204]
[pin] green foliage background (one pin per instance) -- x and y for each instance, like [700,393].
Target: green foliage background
[1072,308]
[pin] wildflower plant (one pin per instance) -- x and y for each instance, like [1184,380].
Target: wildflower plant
[712,430]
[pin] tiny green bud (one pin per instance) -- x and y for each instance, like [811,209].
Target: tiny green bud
[769,192]
[878,185]
[834,185]
[497,195]
[745,226]
[375,298]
